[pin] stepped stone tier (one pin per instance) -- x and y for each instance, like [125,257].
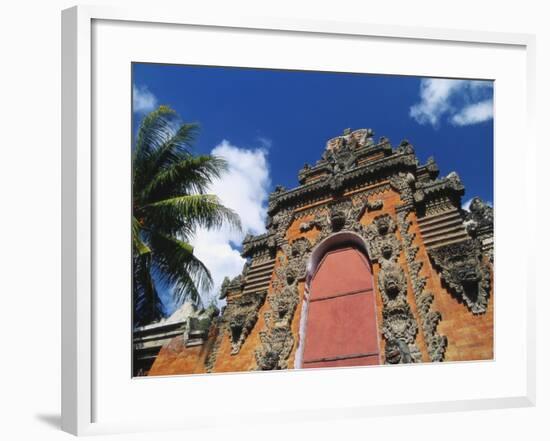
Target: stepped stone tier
[370,260]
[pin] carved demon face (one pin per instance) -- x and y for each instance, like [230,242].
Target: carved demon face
[387,250]
[290,274]
[392,284]
[399,325]
[282,308]
[269,361]
[236,325]
[464,273]
[465,270]
[337,220]
[383,225]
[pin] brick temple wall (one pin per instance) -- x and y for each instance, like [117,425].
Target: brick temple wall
[469,336]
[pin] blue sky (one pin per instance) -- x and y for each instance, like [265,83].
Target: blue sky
[268,123]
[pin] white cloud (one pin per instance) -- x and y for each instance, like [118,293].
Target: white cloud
[144,101]
[462,102]
[245,189]
[266,143]
[474,113]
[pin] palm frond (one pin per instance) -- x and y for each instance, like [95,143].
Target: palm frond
[155,129]
[176,265]
[185,213]
[187,176]
[161,142]
[140,248]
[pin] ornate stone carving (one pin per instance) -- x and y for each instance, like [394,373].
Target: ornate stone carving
[438,205]
[479,224]
[343,166]
[381,238]
[261,245]
[238,319]
[405,147]
[481,214]
[464,273]
[277,344]
[399,324]
[277,338]
[337,219]
[316,222]
[241,316]
[434,196]
[435,342]
[392,283]
[374,205]
[398,352]
[233,285]
[283,306]
[404,184]
[299,247]
[279,226]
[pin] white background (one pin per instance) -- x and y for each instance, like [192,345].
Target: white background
[30,221]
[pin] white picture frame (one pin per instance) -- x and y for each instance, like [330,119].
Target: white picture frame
[83,385]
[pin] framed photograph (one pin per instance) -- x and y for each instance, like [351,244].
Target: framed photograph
[296,220]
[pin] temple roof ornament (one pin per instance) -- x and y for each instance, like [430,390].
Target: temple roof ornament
[354,159]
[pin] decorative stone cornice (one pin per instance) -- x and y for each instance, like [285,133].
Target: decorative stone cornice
[339,181]
[258,245]
[449,184]
[428,171]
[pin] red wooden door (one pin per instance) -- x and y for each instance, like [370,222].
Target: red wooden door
[341,325]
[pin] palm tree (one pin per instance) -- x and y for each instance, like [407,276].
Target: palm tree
[169,200]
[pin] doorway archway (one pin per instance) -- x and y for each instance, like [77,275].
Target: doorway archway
[338,323]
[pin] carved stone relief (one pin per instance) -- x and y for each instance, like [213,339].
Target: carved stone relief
[380,235]
[404,184]
[399,326]
[241,316]
[398,352]
[465,274]
[435,342]
[277,338]
[479,224]
[374,205]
